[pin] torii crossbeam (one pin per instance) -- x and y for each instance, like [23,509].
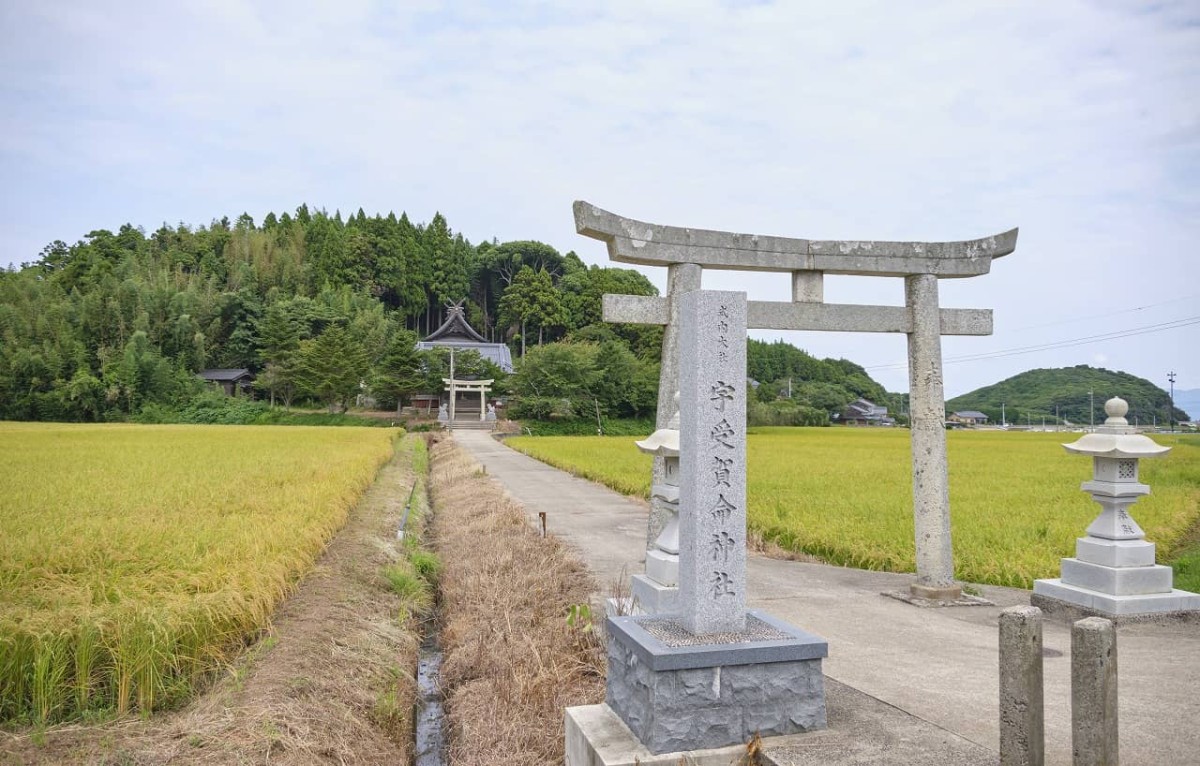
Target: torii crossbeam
[686,252]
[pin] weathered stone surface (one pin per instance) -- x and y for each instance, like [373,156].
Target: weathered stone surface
[710,707]
[712,461]
[808,287]
[1094,722]
[631,241]
[664,510]
[812,316]
[1022,722]
[931,483]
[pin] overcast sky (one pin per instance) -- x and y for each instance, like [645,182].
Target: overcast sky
[1079,122]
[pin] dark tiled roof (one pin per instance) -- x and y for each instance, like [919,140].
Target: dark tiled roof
[456,327]
[496,353]
[225,375]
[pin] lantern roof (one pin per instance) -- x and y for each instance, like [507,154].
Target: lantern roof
[1116,438]
[665,441]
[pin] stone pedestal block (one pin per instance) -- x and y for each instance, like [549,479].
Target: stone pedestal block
[653,597]
[1115,553]
[663,567]
[1094,602]
[1117,581]
[676,692]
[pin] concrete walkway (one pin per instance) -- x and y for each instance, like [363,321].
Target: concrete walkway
[937,665]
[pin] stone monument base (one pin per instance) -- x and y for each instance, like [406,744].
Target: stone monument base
[679,692]
[1111,605]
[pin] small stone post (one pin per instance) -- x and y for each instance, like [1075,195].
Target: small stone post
[1022,728]
[1094,735]
[927,407]
[712,464]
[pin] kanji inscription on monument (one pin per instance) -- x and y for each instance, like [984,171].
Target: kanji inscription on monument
[712,461]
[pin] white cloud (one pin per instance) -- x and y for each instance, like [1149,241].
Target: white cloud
[1077,121]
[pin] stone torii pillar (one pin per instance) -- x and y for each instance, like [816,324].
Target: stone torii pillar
[686,252]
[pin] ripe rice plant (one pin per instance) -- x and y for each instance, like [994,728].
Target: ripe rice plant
[845,495]
[135,559]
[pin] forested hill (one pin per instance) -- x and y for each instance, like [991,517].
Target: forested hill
[1035,394]
[101,328]
[322,308]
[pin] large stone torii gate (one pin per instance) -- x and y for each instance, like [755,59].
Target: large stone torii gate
[686,252]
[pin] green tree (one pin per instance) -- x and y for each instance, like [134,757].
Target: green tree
[533,299]
[331,367]
[399,373]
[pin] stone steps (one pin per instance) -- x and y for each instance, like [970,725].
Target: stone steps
[472,425]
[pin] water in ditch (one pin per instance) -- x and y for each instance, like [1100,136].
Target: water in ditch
[430,737]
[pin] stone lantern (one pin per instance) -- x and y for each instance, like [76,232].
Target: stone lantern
[656,592]
[1113,572]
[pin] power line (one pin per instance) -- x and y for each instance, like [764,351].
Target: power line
[1161,327]
[1105,315]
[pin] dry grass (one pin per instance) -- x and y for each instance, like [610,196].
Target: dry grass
[512,659]
[329,683]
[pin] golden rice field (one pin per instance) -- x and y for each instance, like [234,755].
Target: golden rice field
[135,559]
[845,495]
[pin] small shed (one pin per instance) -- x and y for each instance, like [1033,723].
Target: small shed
[236,382]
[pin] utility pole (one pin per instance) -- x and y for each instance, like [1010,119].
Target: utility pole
[453,392]
[1171,413]
[1092,408]
[1003,418]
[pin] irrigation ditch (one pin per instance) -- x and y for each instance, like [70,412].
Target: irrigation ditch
[507,649]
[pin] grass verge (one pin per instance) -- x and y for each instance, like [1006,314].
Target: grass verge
[517,649]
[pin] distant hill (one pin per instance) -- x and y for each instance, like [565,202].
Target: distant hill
[1035,394]
[1189,400]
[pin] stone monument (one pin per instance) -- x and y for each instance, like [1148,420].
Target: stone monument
[1113,571]
[686,252]
[709,674]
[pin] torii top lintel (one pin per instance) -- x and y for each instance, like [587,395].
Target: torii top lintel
[650,244]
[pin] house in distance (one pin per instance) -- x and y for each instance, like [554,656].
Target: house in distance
[968,418]
[862,412]
[233,382]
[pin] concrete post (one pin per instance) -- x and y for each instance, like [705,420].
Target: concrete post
[681,278]
[1094,734]
[482,404]
[1022,726]
[931,486]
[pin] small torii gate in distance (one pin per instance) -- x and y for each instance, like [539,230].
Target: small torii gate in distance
[686,252]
